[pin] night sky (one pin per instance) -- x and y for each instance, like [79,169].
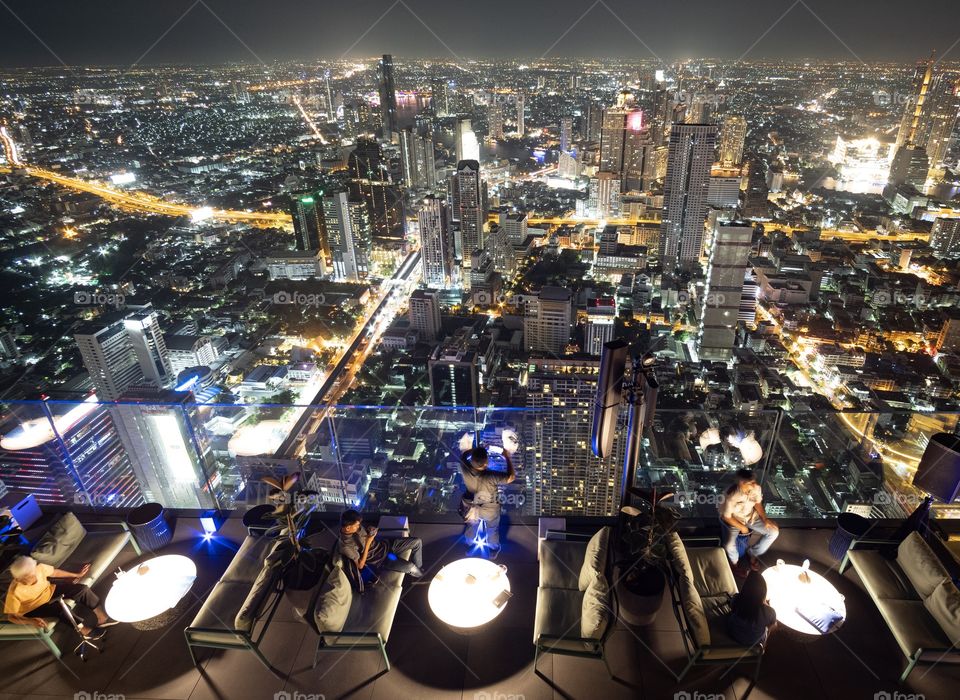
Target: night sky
[121,32]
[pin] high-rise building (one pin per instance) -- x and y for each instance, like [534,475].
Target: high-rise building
[467,146]
[548,329]
[521,117]
[592,121]
[515,226]
[371,182]
[388,96]
[945,237]
[625,144]
[603,196]
[720,309]
[910,166]
[349,232]
[108,356]
[308,222]
[66,453]
[408,163]
[495,120]
[733,135]
[723,192]
[417,160]
[685,192]
[755,197]
[143,330]
[931,113]
[468,196]
[437,253]
[566,476]
[454,375]
[424,313]
[598,330]
[440,97]
[566,133]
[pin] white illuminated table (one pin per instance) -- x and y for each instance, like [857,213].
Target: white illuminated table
[462,592]
[151,588]
[801,604]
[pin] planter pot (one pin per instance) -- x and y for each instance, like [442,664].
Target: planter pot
[304,573]
[640,598]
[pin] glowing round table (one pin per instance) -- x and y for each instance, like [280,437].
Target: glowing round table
[151,588]
[462,593]
[810,608]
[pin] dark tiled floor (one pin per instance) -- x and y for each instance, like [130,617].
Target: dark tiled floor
[431,661]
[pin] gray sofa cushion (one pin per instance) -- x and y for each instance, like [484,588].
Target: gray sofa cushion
[558,614]
[944,606]
[336,598]
[912,626]
[882,577]
[594,558]
[560,563]
[710,569]
[596,609]
[219,610]
[920,564]
[99,549]
[248,561]
[60,541]
[690,600]
[257,596]
[373,612]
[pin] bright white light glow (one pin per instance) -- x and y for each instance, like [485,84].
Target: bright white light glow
[462,592]
[201,214]
[174,450]
[123,178]
[790,596]
[150,588]
[37,431]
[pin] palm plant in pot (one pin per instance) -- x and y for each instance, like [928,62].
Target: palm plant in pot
[301,564]
[641,576]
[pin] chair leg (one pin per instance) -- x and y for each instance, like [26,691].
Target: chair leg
[845,562]
[47,639]
[913,662]
[316,654]
[383,650]
[685,670]
[193,657]
[603,656]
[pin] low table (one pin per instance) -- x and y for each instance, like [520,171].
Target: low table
[146,593]
[808,609]
[462,593]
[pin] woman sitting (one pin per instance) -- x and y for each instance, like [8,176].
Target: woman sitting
[750,617]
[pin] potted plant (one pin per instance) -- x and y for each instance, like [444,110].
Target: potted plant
[641,576]
[292,509]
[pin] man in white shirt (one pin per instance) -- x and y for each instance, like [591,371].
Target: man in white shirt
[741,512]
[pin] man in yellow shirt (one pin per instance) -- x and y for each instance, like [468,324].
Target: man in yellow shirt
[30,597]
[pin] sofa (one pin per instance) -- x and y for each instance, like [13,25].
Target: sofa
[241,605]
[68,545]
[701,586]
[915,596]
[345,620]
[576,605]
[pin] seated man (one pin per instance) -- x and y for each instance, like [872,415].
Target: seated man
[359,544]
[31,597]
[741,511]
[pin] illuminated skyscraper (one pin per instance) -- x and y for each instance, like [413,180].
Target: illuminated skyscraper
[437,252]
[548,328]
[945,237]
[468,148]
[495,120]
[454,374]
[388,96]
[370,181]
[929,117]
[755,197]
[598,330]
[566,477]
[424,313]
[909,167]
[521,116]
[685,191]
[308,222]
[468,196]
[566,133]
[733,134]
[108,356]
[625,145]
[143,329]
[720,308]
[350,232]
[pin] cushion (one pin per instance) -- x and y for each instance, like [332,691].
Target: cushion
[882,578]
[711,572]
[373,613]
[558,613]
[220,609]
[920,564]
[247,563]
[595,609]
[59,541]
[678,556]
[912,626]
[944,606]
[256,597]
[561,563]
[595,558]
[100,550]
[694,612]
[333,606]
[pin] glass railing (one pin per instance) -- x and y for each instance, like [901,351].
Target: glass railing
[406,459]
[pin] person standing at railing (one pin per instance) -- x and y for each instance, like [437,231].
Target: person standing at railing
[481,503]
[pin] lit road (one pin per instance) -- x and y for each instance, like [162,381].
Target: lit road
[143,202]
[394,294]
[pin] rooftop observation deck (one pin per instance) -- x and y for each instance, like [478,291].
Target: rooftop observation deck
[432,661]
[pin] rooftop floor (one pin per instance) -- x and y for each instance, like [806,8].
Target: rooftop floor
[432,661]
